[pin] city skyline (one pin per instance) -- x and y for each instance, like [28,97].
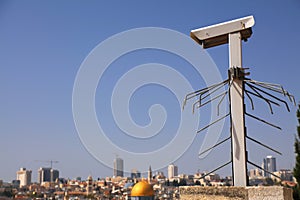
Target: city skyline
[44,45]
[48,174]
[125,187]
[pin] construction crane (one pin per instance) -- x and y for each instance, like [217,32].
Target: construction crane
[48,161]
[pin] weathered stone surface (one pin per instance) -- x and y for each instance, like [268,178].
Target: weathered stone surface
[207,197]
[235,193]
[213,193]
[269,193]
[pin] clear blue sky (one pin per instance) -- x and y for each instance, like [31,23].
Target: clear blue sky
[43,43]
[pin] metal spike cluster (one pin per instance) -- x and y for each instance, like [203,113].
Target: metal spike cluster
[260,90]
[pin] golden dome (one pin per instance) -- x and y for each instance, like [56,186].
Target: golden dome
[142,189]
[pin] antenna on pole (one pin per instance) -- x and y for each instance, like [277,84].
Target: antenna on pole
[233,33]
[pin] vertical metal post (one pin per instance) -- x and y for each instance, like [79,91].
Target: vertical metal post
[239,160]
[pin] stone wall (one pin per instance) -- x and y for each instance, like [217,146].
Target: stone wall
[270,193]
[235,193]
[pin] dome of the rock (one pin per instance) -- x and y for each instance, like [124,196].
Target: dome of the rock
[142,189]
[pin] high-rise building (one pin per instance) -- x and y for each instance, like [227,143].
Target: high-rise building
[54,174]
[149,174]
[269,164]
[172,171]
[24,176]
[118,167]
[46,174]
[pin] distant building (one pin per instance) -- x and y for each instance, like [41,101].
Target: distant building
[269,164]
[46,174]
[118,167]
[159,175]
[172,171]
[199,180]
[54,174]
[15,183]
[89,185]
[254,173]
[212,177]
[135,174]
[24,176]
[149,174]
[284,174]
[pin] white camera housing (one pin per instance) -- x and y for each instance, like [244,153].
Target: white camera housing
[217,34]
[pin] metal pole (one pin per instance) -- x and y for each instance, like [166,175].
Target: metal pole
[238,131]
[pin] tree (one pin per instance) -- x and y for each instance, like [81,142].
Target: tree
[175,183]
[182,182]
[167,183]
[197,182]
[269,182]
[7,193]
[297,152]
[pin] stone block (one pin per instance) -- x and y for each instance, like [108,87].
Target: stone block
[235,193]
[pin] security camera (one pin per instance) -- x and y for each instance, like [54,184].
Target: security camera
[217,34]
